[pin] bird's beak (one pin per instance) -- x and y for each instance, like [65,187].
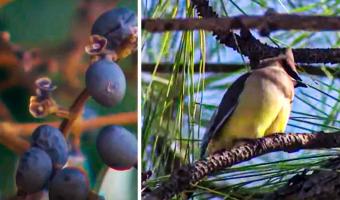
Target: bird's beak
[296,77]
[289,66]
[301,84]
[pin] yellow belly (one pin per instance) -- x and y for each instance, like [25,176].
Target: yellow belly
[262,109]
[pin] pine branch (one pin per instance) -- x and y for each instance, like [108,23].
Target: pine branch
[249,46]
[189,175]
[234,67]
[264,23]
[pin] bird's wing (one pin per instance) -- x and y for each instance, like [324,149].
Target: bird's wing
[224,111]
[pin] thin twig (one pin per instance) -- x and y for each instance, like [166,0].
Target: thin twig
[11,133]
[26,129]
[5,114]
[13,142]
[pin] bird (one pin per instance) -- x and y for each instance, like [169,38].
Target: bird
[257,104]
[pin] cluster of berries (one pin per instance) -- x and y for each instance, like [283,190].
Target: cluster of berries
[43,165]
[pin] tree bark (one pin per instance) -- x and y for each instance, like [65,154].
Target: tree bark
[249,46]
[265,23]
[187,176]
[234,67]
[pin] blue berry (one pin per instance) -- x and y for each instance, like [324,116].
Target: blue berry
[117,147]
[115,25]
[69,183]
[34,170]
[105,82]
[52,141]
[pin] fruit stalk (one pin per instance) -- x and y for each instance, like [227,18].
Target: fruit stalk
[75,111]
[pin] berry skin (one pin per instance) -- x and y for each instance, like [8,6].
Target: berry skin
[117,147]
[52,141]
[115,25]
[69,183]
[105,82]
[34,170]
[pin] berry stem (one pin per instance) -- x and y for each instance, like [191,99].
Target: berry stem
[16,144]
[75,111]
[26,129]
[62,113]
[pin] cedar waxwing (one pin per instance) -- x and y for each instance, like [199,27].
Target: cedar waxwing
[258,103]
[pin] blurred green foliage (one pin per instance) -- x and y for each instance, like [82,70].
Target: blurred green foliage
[38,22]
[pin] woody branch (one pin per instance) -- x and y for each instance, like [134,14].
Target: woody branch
[271,22]
[187,176]
[251,47]
[234,67]
[246,44]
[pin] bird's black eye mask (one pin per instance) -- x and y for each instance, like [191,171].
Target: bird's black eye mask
[293,74]
[283,59]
